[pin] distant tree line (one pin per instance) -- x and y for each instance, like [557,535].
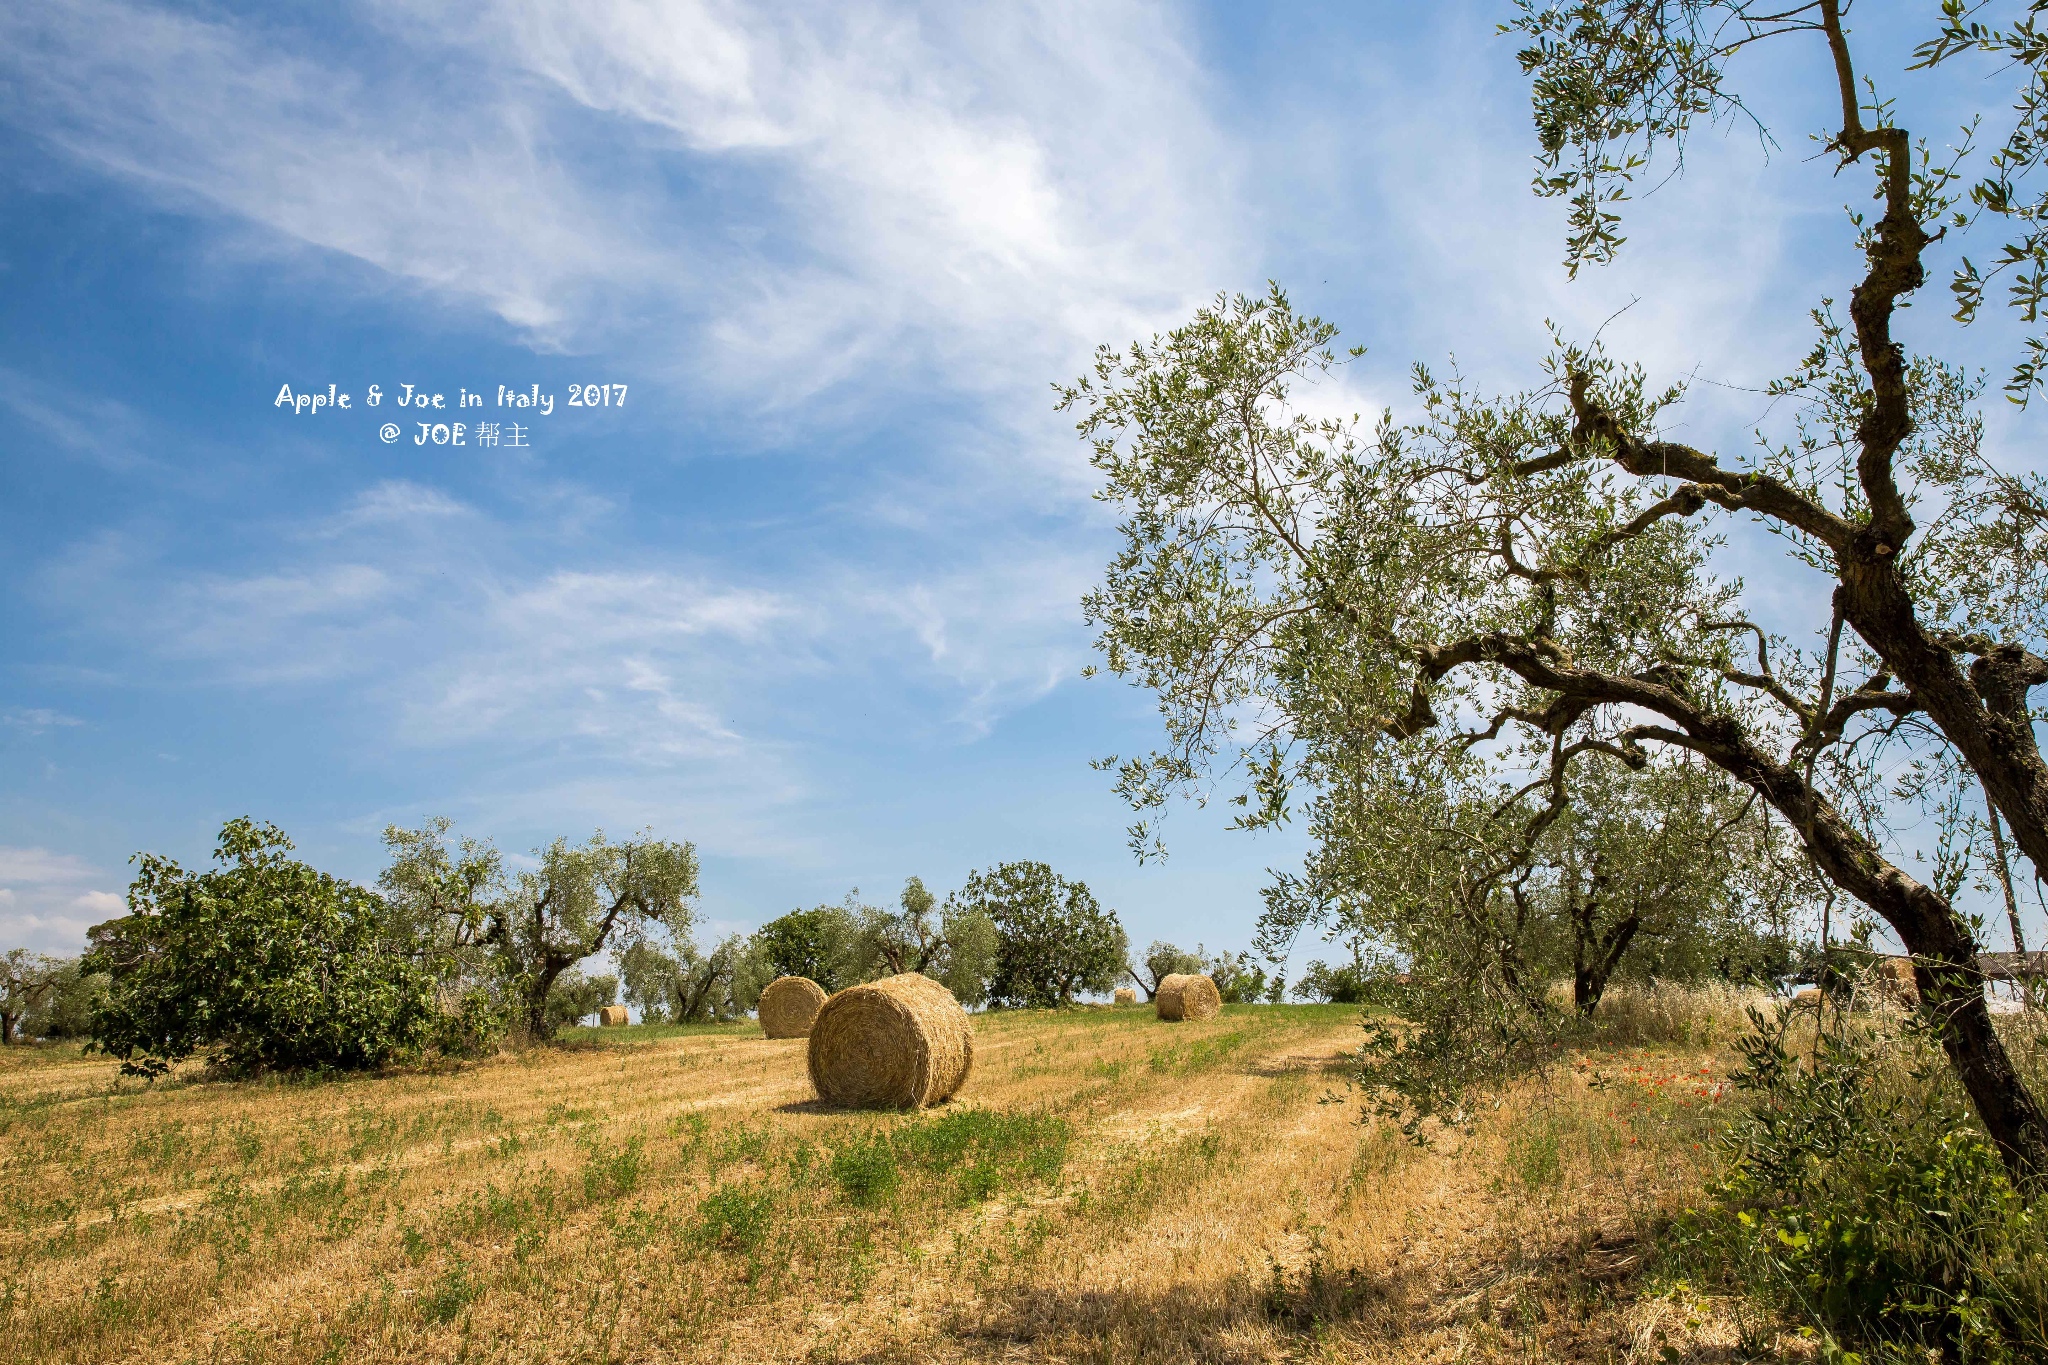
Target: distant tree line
[262,962]
[1017,935]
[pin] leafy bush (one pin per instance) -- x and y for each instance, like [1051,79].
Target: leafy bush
[472,1026]
[266,962]
[866,1171]
[1863,1197]
[1344,984]
[1053,938]
[736,1217]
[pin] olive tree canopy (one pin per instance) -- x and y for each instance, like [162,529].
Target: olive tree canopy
[525,932]
[1533,576]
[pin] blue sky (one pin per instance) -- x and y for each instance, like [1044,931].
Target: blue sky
[810,598]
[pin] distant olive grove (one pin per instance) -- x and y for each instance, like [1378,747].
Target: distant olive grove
[261,962]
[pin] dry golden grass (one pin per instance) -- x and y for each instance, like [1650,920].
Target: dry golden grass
[1106,1189]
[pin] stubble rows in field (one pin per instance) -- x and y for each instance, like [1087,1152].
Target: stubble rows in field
[1107,1188]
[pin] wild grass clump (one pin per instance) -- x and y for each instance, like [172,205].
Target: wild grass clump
[735,1217]
[452,1293]
[612,1171]
[1710,1014]
[1862,1198]
[990,1151]
[985,1151]
[865,1170]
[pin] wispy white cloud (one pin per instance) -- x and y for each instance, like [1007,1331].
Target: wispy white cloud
[396,501]
[48,900]
[36,719]
[102,430]
[210,113]
[887,190]
[485,630]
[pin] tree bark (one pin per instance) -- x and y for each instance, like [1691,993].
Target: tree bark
[2004,869]
[1590,974]
[1944,955]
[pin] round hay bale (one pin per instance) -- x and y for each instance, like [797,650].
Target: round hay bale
[899,1043]
[1126,996]
[1188,997]
[1170,982]
[613,1016]
[787,1006]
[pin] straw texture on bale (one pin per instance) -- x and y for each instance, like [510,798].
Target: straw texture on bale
[899,1043]
[1188,997]
[1126,996]
[612,1016]
[788,1005]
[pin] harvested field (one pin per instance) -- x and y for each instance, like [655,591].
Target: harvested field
[1105,1189]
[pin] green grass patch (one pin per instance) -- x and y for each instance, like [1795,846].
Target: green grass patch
[735,1217]
[988,1151]
[866,1171]
[453,1292]
[1184,1059]
[612,1171]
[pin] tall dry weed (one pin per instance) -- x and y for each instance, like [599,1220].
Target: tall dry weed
[1708,1015]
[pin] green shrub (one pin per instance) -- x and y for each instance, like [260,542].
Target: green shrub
[1863,1197]
[736,1217]
[266,963]
[473,1027]
[865,1171]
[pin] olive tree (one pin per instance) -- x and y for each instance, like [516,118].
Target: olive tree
[1667,872]
[27,982]
[65,1011]
[522,933]
[952,944]
[1162,960]
[681,984]
[1300,591]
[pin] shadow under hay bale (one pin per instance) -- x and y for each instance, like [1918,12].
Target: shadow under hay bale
[788,1005]
[1187,997]
[899,1043]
